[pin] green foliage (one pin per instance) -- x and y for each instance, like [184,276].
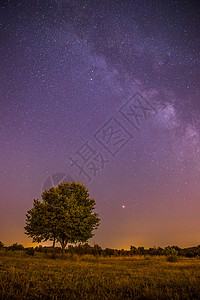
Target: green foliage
[65,214]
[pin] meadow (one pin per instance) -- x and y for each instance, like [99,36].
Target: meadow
[90,277]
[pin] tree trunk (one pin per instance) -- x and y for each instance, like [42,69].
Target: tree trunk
[63,245]
[63,251]
[54,241]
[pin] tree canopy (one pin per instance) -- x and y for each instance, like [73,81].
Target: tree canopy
[65,214]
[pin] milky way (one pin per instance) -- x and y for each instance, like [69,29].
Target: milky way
[68,71]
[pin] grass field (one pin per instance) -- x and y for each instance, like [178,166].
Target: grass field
[89,277]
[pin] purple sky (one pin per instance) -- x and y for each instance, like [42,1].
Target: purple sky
[69,70]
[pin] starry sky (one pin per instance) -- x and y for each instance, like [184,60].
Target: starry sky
[105,93]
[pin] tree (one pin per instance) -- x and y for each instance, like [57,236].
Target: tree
[133,249]
[16,246]
[1,245]
[65,215]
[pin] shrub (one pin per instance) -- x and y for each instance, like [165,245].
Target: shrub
[30,251]
[146,257]
[171,254]
[20,253]
[172,258]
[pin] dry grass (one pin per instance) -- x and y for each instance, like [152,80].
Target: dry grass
[89,277]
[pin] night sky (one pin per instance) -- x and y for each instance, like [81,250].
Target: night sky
[105,93]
